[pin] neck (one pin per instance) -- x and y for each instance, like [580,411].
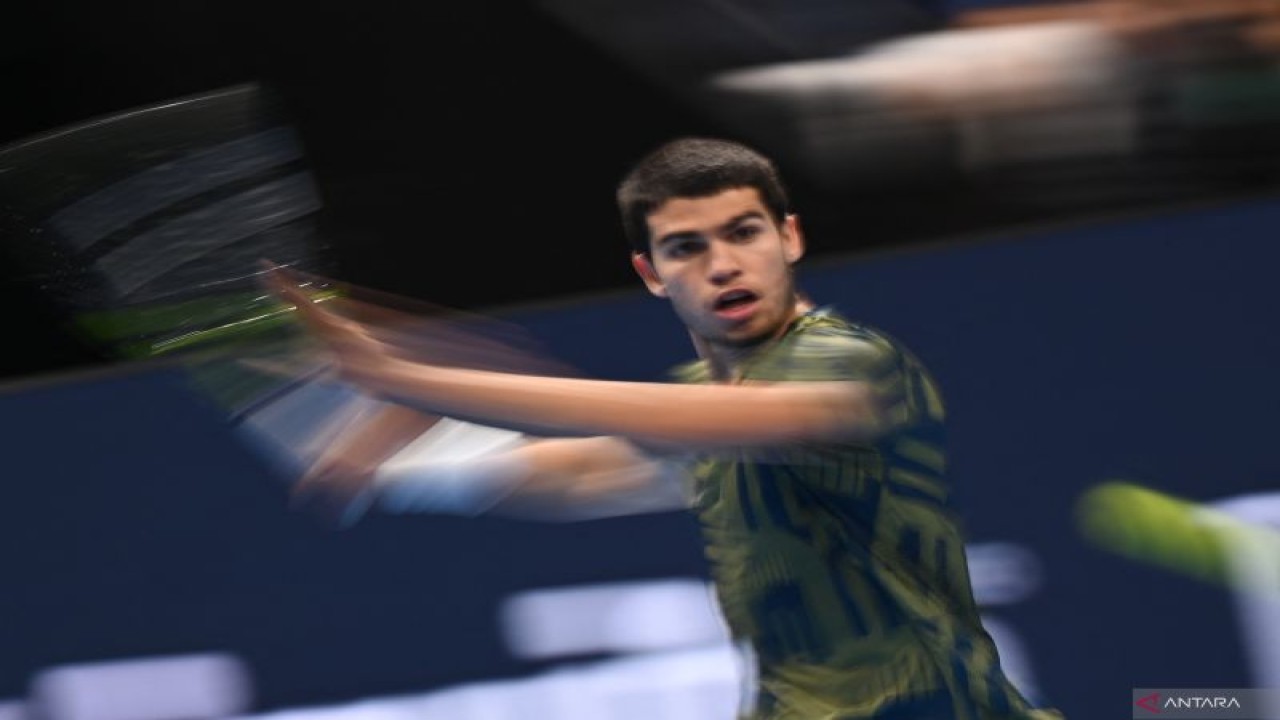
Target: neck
[725,361]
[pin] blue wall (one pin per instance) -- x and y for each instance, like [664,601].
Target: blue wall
[136,524]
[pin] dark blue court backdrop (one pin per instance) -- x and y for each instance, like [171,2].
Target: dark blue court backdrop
[134,524]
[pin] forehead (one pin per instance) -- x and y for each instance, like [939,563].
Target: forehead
[703,214]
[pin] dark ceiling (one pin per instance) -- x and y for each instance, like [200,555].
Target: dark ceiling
[466,153]
[450,141]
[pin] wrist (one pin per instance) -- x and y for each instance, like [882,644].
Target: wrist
[390,376]
[455,467]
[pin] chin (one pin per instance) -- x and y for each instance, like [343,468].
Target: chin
[748,338]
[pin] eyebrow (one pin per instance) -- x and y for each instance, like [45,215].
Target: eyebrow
[722,228]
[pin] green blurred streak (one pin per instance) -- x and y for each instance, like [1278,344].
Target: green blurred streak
[1146,525]
[222,321]
[214,339]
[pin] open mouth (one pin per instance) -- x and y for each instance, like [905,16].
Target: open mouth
[734,300]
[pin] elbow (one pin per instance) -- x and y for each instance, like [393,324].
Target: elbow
[862,415]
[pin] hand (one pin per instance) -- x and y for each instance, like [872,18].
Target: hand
[336,491]
[360,357]
[340,485]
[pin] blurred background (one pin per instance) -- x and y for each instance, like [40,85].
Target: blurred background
[1067,209]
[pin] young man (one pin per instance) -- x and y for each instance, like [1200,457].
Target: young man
[812,448]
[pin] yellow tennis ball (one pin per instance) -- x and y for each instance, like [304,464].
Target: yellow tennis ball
[1150,526]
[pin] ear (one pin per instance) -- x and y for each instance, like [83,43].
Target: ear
[644,268]
[792,239]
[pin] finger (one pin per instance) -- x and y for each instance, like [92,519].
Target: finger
[296,279]
[333,504]
[272,277]
[279,284]
[317,491]
[281,281]
[336,512]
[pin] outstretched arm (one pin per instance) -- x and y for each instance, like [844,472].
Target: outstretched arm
[541,479]
[692,416]
[400,462]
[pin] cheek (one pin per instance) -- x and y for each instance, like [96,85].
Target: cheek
[673,281]
[682,299]
[677,293]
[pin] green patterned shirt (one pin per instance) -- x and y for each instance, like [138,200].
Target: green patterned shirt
[842,566]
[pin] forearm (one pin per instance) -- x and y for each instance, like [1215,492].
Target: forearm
[372,438]
[663,413]
[587,478]
[452,479]
[471,469]
[647,413]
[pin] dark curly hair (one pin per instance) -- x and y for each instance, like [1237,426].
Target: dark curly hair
[693,167]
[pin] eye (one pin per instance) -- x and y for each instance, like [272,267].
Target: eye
[683,248]
[746,231]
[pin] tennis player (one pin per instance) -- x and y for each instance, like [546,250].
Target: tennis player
[811,447]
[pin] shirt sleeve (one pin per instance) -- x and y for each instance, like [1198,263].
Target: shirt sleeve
[909,394]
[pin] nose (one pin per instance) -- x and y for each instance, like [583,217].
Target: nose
[722,263]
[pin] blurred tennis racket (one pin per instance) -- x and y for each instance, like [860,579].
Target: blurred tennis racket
[143,229]
[142,233]
[146,231]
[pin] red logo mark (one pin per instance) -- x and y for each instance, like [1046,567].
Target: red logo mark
[1150,703]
